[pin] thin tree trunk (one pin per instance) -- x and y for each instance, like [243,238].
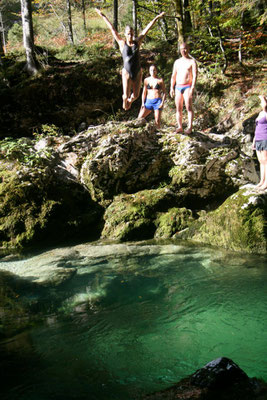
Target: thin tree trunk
[187,17]
[135,17]
[70,31]
[28,38]
[179,20]
[84,18]
[115,20]
[2,37]
[223,51]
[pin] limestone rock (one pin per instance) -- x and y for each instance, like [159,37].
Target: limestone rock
[133,216]
[238,224]
[127,160]
[150,183]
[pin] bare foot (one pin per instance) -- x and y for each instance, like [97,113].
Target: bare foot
[188,131]
[128,105]
[124,103]
[259,184]
[179,130]
[263,188]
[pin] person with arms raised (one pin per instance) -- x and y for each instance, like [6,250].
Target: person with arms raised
[129,48]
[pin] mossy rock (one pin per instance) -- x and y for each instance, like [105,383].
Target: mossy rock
[133,216]
[36,208]
[175,220]
[238,224]
[128,159]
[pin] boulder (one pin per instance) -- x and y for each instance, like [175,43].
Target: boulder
[128,159]
[238,224]
[220,379]
[134,216]
[37,208]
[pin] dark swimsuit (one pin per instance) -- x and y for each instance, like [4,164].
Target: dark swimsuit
[151,87]
[131,59]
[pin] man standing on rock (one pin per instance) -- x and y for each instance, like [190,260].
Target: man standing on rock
[183,81]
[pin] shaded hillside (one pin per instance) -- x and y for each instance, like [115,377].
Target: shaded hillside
[64,94]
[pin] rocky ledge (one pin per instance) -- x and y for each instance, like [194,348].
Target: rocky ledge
[128,181]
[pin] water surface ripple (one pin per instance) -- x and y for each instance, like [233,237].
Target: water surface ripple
[127,319]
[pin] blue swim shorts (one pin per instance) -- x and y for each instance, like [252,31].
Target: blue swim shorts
[261,145]
[182,88]
[153,104]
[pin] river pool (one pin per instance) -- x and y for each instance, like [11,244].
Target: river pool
[127,319]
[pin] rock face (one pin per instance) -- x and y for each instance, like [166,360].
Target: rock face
[238,224]
[127,181]
[220,379]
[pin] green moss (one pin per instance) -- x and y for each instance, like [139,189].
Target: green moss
[238,224]
[175,220]
[37,208]
[133,216]
[179,175]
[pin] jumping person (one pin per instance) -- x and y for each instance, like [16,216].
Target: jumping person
[129,48]
[153,96]
[260,143]
[183,83]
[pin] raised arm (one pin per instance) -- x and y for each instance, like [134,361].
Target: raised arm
[115,34]
[149,26]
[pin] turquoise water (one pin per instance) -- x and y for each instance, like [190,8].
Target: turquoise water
[129,323]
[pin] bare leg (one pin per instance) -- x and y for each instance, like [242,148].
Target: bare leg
[263,169]
[126,85]
[262,172]
[143,113]
[189,108]
[136,84]
[157,115]
[179,101]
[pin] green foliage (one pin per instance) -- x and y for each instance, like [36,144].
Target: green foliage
[81,52]
[47,131]
[23,151]
[15,35]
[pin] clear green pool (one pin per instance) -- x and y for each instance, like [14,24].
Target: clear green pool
[127,324]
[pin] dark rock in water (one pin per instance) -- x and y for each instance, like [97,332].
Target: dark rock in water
[219,373]
[220,379]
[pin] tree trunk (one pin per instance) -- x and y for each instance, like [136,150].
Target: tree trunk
[28,38]
[187,17]
[179,20]
[223,51]
[135,17]
[115,20]
[2,35]
[70,31]
[84,18]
